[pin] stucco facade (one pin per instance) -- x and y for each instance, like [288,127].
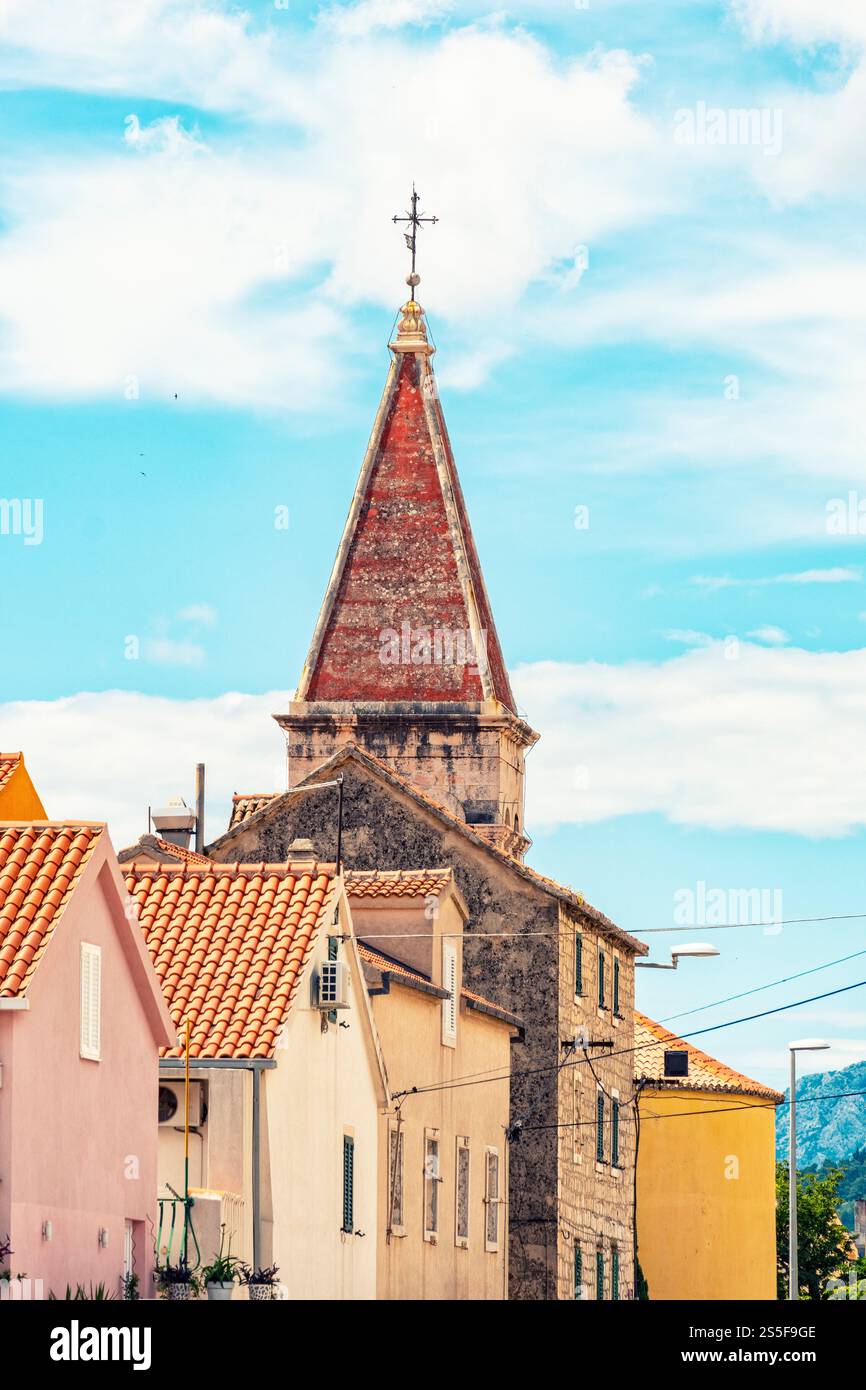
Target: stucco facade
[78,1142]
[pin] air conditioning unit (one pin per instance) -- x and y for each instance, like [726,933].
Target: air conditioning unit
[172,1104]
[333,992]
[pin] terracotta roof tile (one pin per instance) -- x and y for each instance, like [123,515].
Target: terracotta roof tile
[39,867]
[652,1040]
[8,764]
[229,944]
[245,804]
[395,967]
[397,883]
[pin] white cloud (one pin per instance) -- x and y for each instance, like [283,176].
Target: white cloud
[838,574]
[774,636]
[701,739]
[201,614]
[723,735]
[226,272]
[354,21]
[689,637]
[802,22]
[148,747]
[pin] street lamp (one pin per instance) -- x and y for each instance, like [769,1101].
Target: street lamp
[694,948]
[802,1045]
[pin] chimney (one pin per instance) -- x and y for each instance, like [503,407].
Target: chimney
[175,823]
[301,851]
[199,808]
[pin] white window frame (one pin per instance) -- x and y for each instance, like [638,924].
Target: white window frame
[462,1146]
[397,1218]
[492,1199]
[90,1002]
[449,1005]
[430,1185]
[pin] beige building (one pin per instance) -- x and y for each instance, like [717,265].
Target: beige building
[286,1092]
[443,1212]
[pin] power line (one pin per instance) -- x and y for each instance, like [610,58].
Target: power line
[716,1110]
[459,1083]
[786,979]
[471,935]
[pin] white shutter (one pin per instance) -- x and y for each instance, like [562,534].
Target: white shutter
[449,982]
[90,1001]
[491,1200]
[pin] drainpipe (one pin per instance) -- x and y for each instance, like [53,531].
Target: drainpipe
[199,808]
[257,1173]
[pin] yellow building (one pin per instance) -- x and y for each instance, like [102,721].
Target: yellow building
[19,799]
[443,1211]
[706,1199]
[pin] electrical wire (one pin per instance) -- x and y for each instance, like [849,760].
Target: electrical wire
[786,979]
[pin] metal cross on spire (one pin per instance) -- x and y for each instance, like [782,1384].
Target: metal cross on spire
[414,221]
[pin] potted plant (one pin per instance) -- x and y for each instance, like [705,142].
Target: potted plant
[260,1282]
[219,1276]
[5,1252]
[177,1282]
[129,1290]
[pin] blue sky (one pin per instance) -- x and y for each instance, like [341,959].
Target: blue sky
[198,275]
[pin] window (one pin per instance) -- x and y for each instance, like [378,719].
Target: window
[614,1273]
[599,1127]
[599,1274]
[616,987]
[432,1180]
[614,1133]
[348,1184]
[449,982]
[601,987]
[461,1206]
[491,1200]
[395,1178]
[90,1011]
[578,1271]
[578,964]
[676,1063]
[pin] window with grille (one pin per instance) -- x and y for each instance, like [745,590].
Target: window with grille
[616,987]
[599,1127]
[491,1200]
[461,1216]
[614,1273]
[432,1178]
[614,1133]
[578,963]
[602,994]
[348,1183]
[599,1274]
[449,982]
[578,1272]
[90,1009]
[395,1178]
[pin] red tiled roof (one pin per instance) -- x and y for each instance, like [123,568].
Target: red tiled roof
[8,764]
[397,883]
[186,856]
[407,556]
[396,968]
[652,1040]
[245,804]
[39,867]
[229,944]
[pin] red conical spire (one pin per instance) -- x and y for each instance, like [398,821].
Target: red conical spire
[406,616]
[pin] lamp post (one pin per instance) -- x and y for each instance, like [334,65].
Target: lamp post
[698,949]
[802,1045]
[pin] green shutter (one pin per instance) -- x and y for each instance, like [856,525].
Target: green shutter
[578,963]
[578,1271]
[616,987]
[599,1128]
[599,1274]
[614,1133]
[348,1183]
[601,1004]
[333,944]
[614,1274]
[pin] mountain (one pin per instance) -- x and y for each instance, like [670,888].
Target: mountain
[828,1128]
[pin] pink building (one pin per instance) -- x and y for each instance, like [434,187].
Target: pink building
[82,1018]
